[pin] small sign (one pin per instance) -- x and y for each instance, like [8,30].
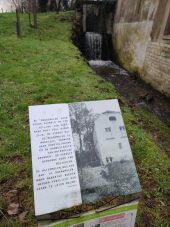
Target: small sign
[122,216]
[80,154]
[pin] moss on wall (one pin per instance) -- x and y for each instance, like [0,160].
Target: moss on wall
[130,43]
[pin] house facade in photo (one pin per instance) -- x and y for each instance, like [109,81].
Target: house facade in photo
[110,138]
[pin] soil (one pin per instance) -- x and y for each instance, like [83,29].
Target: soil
[136,91]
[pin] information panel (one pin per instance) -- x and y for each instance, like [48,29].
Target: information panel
[80,154]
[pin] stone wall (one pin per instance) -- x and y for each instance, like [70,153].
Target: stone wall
[138,40]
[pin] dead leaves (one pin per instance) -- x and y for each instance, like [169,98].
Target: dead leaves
[10,194]
[23,215]
[13,209]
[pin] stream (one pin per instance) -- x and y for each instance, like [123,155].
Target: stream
[136,91]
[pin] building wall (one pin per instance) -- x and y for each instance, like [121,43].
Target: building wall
[137,40]
[107,143]
[156,69]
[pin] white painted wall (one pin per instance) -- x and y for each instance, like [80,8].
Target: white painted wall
[6,6]
[107,143]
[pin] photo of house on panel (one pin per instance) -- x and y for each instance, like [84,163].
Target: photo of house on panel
[110,136]
[104,158]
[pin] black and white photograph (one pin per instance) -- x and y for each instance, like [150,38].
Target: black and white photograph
[104,158]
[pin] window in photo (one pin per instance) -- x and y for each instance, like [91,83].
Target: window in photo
[108,129]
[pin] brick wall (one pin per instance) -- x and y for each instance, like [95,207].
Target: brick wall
[157,66]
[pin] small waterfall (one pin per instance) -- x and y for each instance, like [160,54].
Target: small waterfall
[93,45]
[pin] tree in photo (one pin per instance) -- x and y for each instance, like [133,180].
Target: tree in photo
[82,121]
[78,115]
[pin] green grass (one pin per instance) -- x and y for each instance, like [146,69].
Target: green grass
[45,67]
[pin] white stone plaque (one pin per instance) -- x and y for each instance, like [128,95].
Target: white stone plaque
[55,175]
[80,144]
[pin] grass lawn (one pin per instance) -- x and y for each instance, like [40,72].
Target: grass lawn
[45,67]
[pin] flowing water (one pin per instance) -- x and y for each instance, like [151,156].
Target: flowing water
[93,44]
[136,91]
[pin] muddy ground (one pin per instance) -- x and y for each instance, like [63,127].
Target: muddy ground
[136,91]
